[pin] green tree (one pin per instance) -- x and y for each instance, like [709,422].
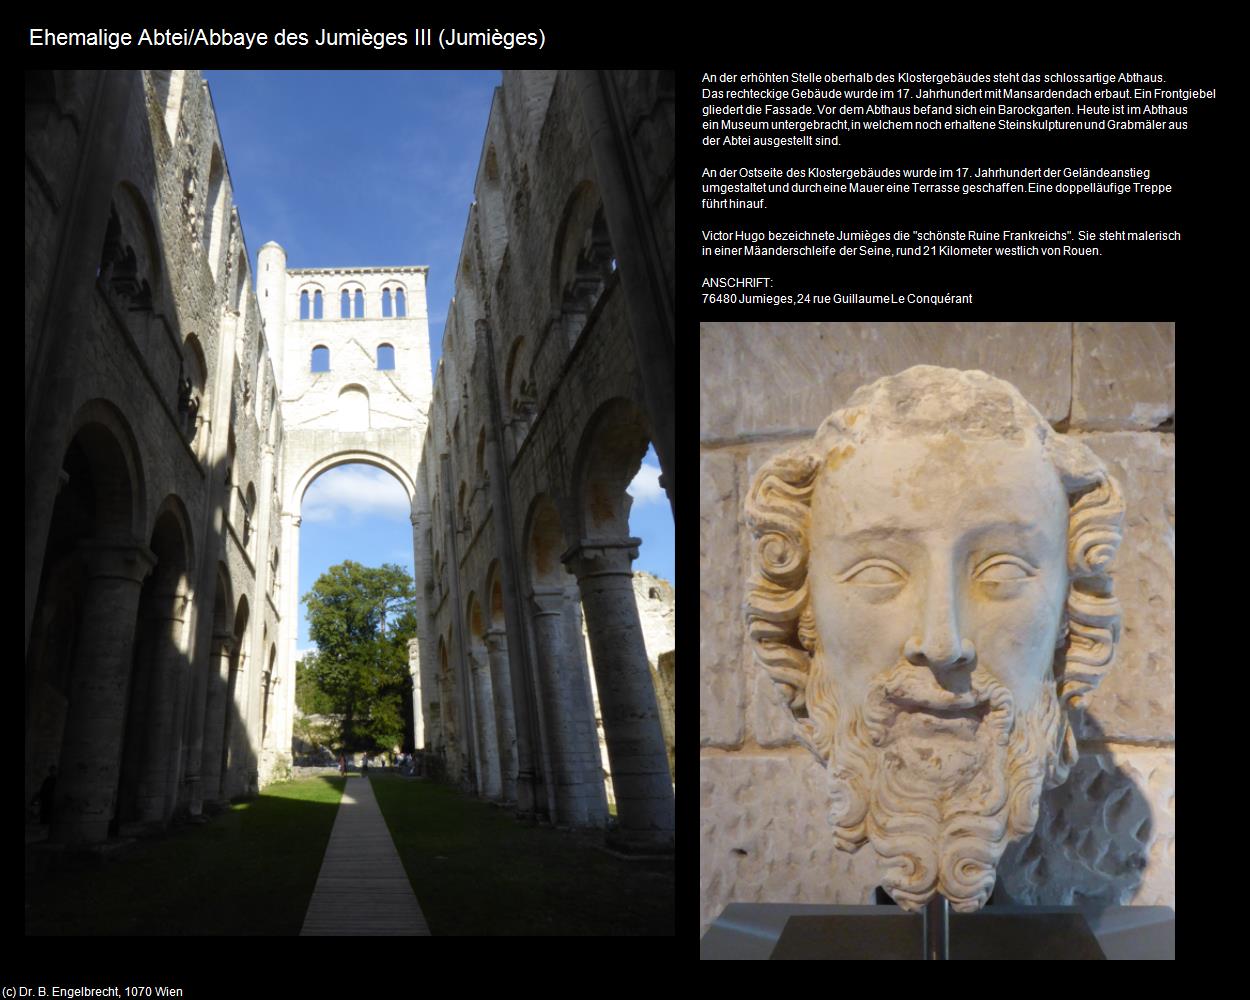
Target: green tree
[361,619]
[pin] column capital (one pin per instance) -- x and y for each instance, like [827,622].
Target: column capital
[602,557]
[415,519]
[547,600]
[496,639]
[222,644]
[293,518]
[118,560]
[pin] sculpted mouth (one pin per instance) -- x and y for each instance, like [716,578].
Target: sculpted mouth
[976,712]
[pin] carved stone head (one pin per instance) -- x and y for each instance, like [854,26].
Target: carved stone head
[930,592]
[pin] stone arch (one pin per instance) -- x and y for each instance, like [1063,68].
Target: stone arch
[545,543]
[195,369]
[610,451]
[267,701]
[443,712]
[111,452]
[305,296]
[215,211]
[223,602]
[167,92]
[483,692]
[609,455]
[492,215]
[328,462]
[494,596]
[99,506]
[238,299]
[130,259]
[234,730]
[567,708]
[582,259]
[355,297]
[148,777]
[495,639]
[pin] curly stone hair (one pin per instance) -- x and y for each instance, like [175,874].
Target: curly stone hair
[926,399]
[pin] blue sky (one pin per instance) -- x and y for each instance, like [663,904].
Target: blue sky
[373,169]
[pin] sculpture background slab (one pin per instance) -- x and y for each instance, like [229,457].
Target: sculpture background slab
[745,728]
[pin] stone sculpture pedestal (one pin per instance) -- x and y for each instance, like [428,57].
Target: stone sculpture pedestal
[987,934]
[753,930]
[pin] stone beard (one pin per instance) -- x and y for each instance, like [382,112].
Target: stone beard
[931,593]
[939,812]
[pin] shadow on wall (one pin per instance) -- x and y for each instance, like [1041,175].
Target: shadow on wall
[1095,837]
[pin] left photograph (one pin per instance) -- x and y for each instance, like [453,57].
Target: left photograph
[349,503]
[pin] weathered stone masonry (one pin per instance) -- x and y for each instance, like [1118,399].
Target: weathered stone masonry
[556,372]
[151,441]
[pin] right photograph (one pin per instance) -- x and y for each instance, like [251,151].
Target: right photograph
[936,606]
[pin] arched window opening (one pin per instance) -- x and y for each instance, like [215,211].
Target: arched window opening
[303,305]
[321,359]
[214,221]
[317,310]
[344,308]
[360,304]
[386,358]
[400,309]
[386,302]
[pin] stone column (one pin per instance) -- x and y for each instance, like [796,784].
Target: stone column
[91,752]
[215,715]
[160,749]
[505,724]
[575,774]
[418,709]
[631,720]
[233,780]
[487,738]
[193,776]
[288,645]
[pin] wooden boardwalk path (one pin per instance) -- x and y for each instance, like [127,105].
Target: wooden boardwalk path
[362,889]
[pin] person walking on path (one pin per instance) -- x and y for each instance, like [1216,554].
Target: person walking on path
[364,766]
[342,764]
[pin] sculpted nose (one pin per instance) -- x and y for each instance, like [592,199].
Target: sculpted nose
[939,642]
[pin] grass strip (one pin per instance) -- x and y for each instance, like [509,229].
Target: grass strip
[476,870]
[251,870]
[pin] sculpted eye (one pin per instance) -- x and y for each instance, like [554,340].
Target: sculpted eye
[875,573]
[1004,569]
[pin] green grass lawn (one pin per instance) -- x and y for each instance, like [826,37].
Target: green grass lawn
[250,870]
[475,870]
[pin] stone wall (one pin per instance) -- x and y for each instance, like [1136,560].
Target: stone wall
[151,436]
[555,373]
[1107,834]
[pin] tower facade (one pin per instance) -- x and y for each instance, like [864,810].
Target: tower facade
[352,362]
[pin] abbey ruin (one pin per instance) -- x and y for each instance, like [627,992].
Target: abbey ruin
[179,405]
